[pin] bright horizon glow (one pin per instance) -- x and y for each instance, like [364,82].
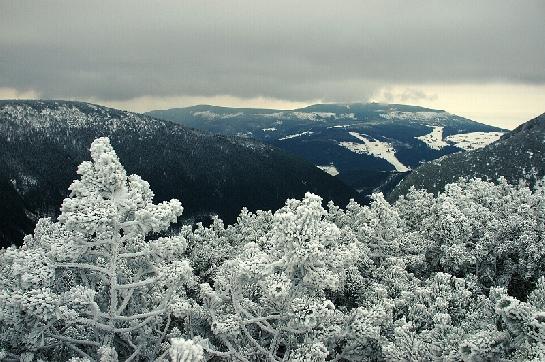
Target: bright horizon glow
[501,105]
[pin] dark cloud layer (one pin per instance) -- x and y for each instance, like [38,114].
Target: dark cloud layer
[294,50]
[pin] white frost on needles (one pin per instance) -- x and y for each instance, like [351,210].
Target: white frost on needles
[301,284]
[98,275]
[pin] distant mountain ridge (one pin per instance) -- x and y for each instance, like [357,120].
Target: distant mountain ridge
[42,142]
[517,155]
[363,144]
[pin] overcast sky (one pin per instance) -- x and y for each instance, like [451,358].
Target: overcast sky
[483,59]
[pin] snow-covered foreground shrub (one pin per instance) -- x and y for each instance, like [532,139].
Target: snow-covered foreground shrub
[92,285]
[493,232]
[269,299]
[453,277]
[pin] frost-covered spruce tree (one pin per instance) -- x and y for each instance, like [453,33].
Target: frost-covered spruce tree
[94,285]
[475,227]
[270,301]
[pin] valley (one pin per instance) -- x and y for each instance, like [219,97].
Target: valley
[365,143]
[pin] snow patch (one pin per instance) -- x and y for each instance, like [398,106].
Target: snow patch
[307,116]
[278,115]
[330,169]
[313,116]
[72,116]
[231,115]
[296,135]
[346,116]
[415,116]
[206,115]
[244,134]
[375,148]
[434,139]
[211,115]
[474,140]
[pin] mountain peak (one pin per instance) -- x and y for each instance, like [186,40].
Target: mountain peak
[535,123]
[360,107]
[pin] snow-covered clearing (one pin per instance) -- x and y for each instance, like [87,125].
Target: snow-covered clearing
[375,148]
[330,169]
[211,115]
[434,139]
[415,116]
[295,135]
[313,116]
[474,140]
[309,116]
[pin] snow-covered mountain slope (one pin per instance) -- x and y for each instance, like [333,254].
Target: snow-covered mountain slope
[392,138]
[375,148]
[434,139]
[42,142]
[517,155]
[474,140]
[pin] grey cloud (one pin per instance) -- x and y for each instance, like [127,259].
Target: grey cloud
[293,50]
[407,95]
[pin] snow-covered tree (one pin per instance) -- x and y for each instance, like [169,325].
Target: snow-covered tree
[492,231]
[94,284]
[458,276]
[270,301]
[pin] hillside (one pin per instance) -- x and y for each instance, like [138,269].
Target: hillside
[519,154]
[365,145]
[42,142]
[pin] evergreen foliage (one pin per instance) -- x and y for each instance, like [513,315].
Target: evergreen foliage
[43,142]
[518,154]
[454,277]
